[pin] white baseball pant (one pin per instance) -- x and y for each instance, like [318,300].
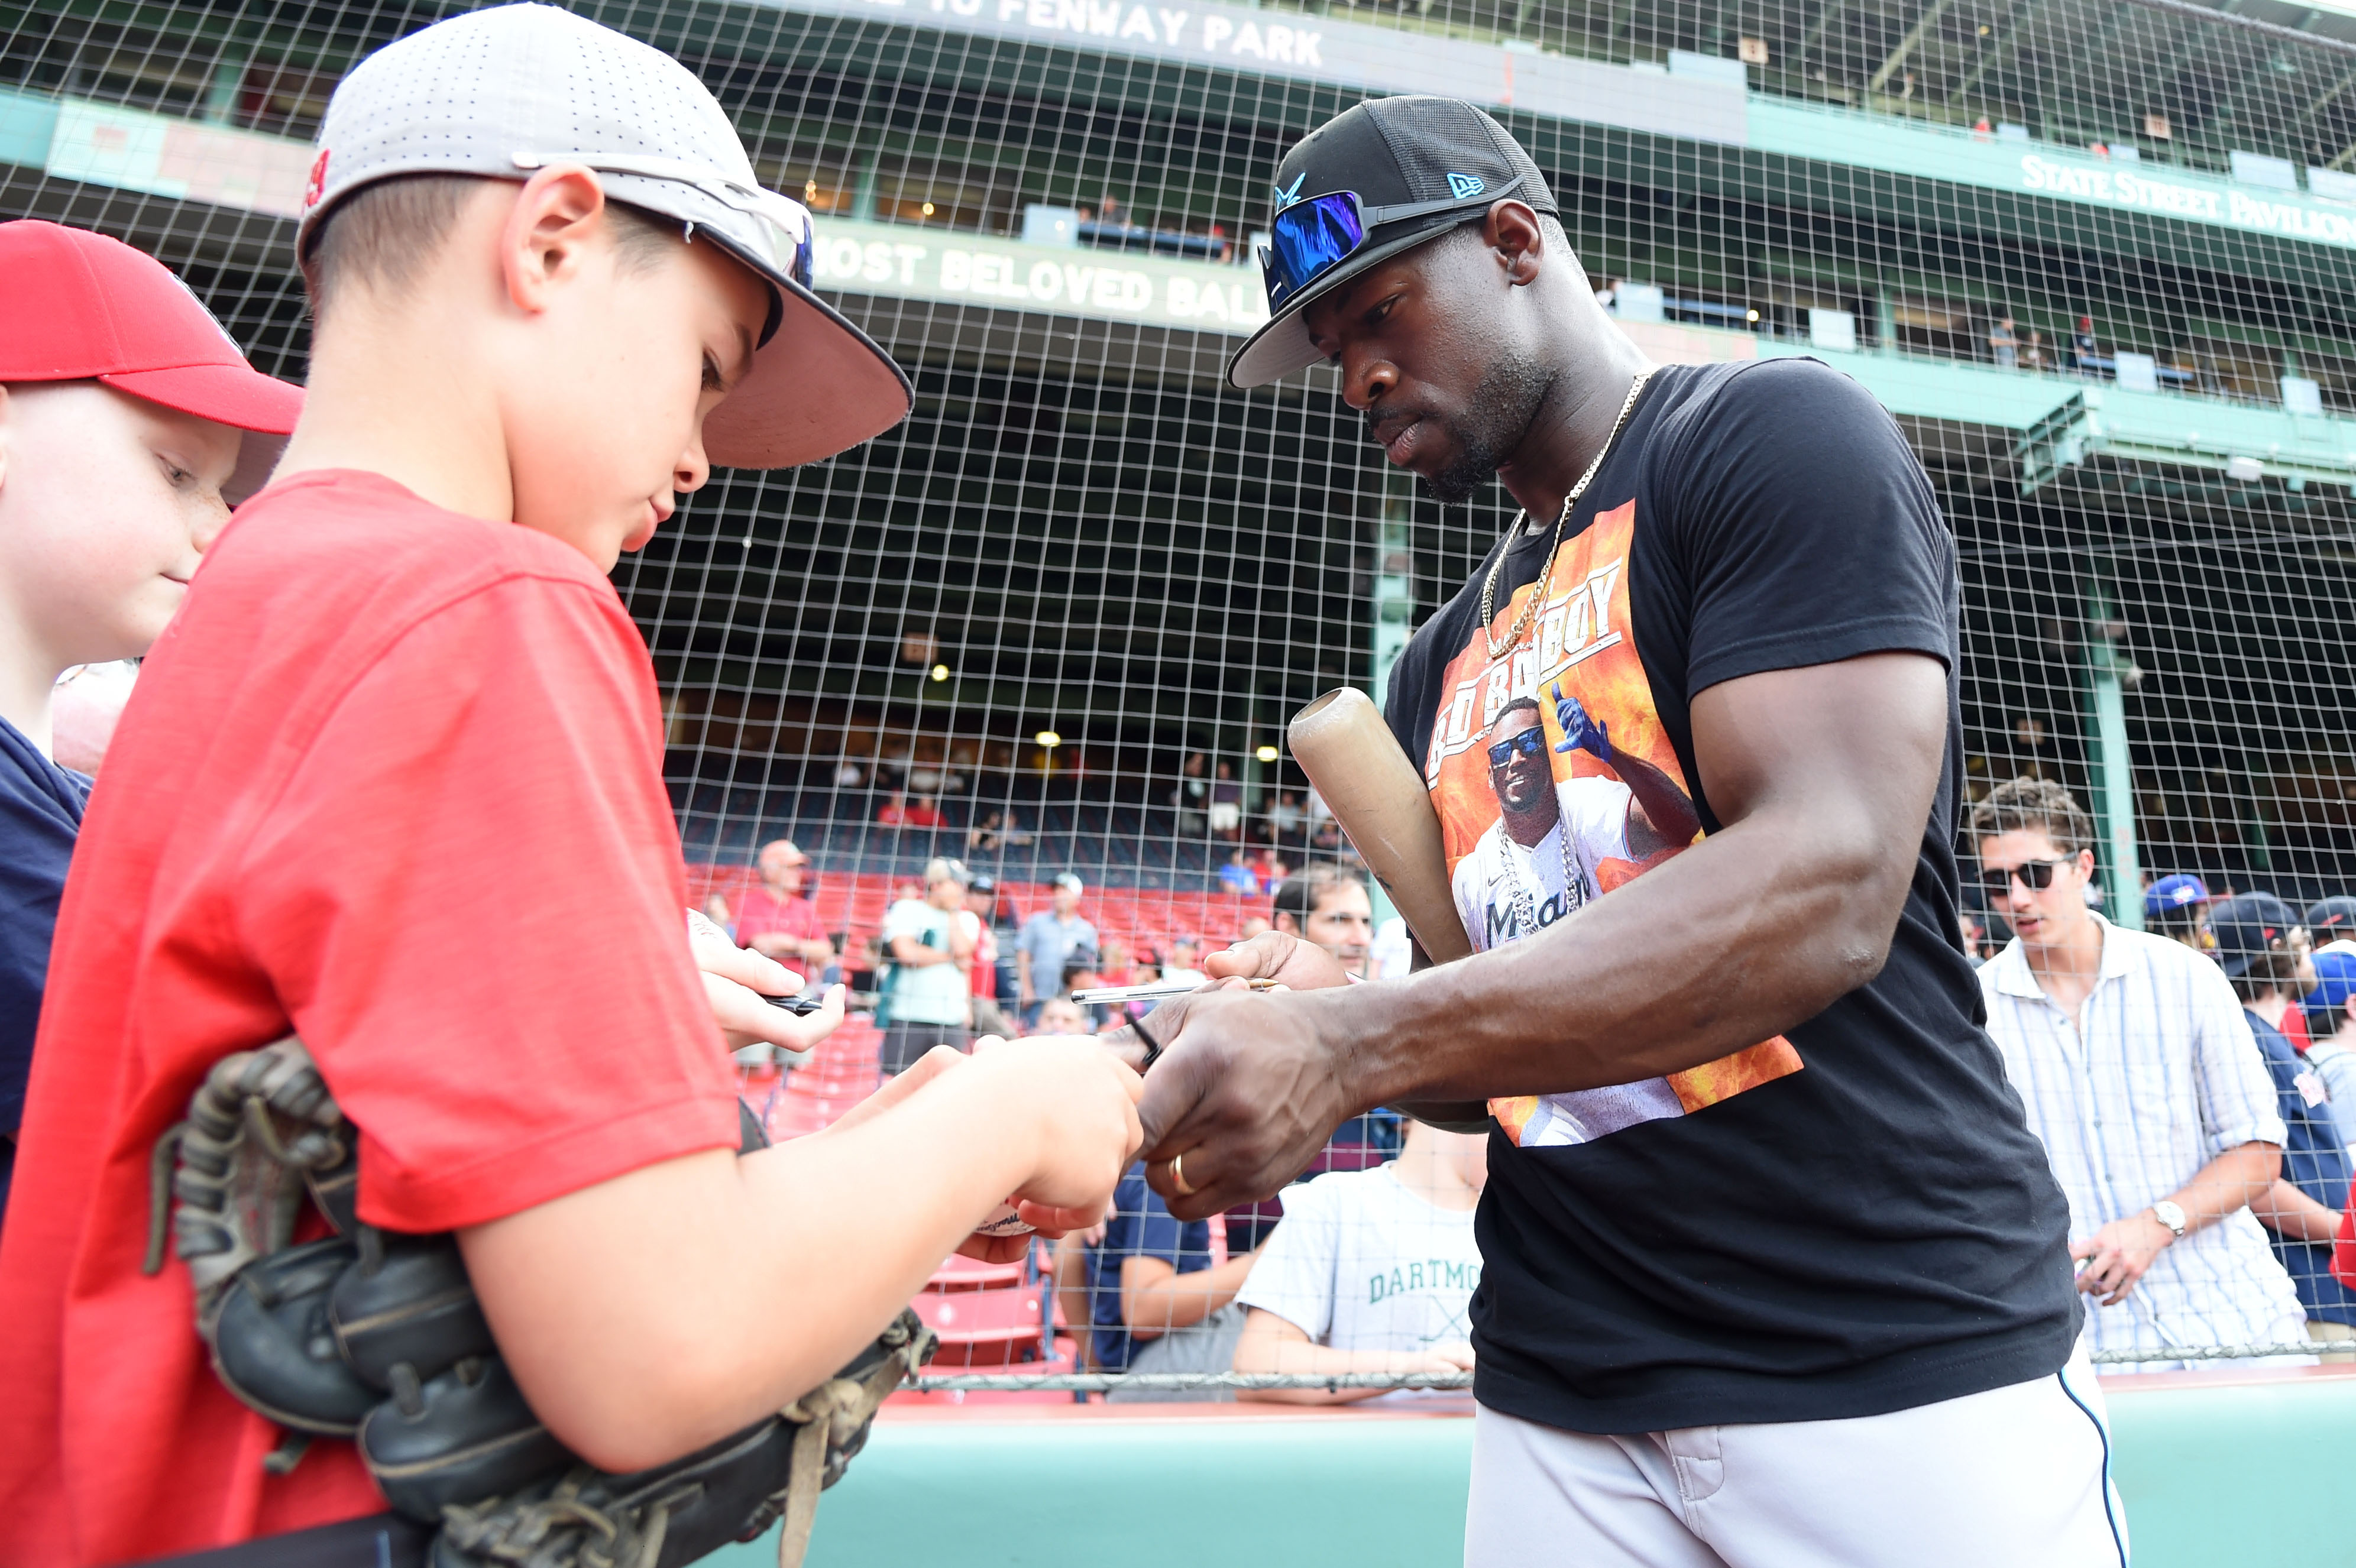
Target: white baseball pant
[2017,1475]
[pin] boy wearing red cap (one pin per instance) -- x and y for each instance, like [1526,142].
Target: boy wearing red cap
[404,703]
[123,409]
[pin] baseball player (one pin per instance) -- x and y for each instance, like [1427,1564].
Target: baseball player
[1809,1299]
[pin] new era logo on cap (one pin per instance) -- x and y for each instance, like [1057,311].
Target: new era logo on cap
[1466,184]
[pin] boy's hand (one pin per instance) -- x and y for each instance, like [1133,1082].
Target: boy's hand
[1077,1103]
[735,981]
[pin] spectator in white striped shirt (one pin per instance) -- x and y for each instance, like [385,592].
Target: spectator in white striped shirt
[2142,1080]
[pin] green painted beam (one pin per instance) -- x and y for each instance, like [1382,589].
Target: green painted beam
[2199,1466]
[2110,762]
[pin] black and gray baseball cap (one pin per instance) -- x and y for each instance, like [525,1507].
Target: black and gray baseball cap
[1416,166]
[504,92]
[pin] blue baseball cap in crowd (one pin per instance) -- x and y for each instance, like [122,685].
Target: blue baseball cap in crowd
[2330,919]
[2248,926]
[2327,1002]
[2170,894]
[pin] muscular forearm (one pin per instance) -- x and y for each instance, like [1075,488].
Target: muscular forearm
[1795,903]
[1613,994]
[640,1315]
[1823,777]
[2294,1216]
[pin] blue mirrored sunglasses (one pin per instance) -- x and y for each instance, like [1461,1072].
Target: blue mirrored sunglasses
[1529,743]
[1310,238]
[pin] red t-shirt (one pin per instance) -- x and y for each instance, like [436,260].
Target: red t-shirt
[760,913]
[391,780]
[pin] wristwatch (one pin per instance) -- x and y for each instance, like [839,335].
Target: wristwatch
[2170,1214]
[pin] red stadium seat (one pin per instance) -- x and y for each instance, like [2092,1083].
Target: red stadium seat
[1140,917]
[984,1327]
[972,1273]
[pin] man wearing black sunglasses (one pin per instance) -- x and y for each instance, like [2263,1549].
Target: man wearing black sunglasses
[1556,845]
[2141,1079]
[1827,1269]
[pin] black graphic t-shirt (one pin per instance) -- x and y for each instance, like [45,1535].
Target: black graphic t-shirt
[1846,1220]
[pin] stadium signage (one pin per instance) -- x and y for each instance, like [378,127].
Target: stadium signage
[1110,285]
[2174,198]
[1833,135]
[1218,35]
[1350,55]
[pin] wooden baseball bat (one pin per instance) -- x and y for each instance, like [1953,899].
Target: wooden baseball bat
[1356,765]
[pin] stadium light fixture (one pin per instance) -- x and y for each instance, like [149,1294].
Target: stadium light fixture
[1266,753]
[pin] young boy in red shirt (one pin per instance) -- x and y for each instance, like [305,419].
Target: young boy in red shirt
[404,700]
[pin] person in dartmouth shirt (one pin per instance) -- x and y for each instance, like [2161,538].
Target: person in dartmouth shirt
[123,407]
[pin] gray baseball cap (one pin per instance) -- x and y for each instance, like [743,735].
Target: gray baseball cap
[504,92]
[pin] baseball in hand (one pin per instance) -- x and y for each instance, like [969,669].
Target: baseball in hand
[1002,1221]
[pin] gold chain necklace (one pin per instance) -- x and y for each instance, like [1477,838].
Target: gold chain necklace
[1523,622]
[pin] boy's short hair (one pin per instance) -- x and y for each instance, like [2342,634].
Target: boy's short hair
[2035,805]
[383,234]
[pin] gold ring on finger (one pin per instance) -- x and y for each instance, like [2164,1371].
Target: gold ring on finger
[1178,1177]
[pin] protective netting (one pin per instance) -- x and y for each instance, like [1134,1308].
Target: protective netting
[2095,257]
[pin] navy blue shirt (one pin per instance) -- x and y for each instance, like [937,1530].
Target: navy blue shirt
[40,815]
[2313,1162]
[1141,1227]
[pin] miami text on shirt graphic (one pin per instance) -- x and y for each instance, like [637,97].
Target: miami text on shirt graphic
[1554,783]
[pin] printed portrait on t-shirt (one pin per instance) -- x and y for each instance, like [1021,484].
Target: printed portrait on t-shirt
[1556,783]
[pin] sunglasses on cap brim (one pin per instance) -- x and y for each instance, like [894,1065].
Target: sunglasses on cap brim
[1312,236]
[780,223]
